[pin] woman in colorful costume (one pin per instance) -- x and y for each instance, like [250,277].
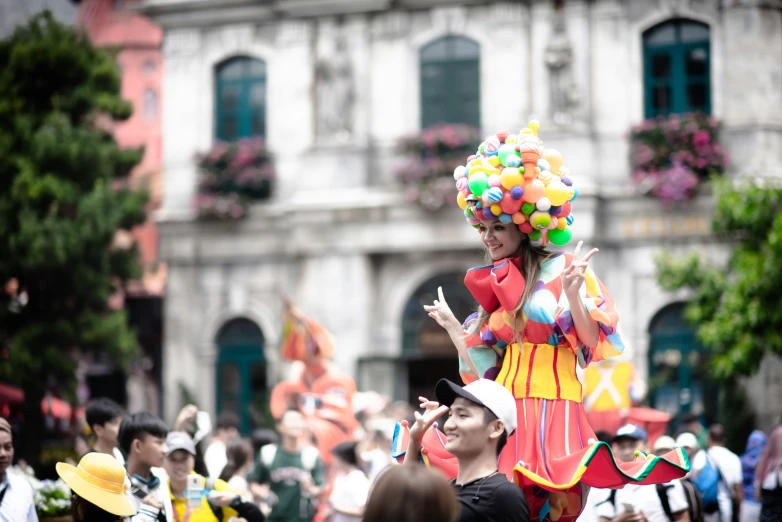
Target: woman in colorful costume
[540,315]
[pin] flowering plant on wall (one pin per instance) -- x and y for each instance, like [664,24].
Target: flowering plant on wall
[431,157]
[672,155]
[232,175]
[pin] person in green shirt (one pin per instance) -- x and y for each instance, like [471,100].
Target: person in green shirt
[288,476]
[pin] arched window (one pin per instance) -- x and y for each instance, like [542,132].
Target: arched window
[240,98]
[678,366]
[450,82]
[241,373]
[677,68]
[150,105]
[425,344]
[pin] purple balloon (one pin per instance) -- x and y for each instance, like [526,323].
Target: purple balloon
[487,214]
[555,210]
[567,182]
[516,192]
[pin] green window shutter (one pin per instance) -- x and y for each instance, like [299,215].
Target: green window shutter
[677,68]
[450,82]
[240,99]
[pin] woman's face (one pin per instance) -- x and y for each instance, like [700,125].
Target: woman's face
[501,240]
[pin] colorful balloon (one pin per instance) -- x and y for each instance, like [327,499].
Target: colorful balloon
[506,152]
[491,146]
[562,224]
[510,205]
[528,208]
[494,180]
[461,184]
[516,192]
[558,193]
[534,189]
[496,210]
[495,194]
[487,214]
[564,211]
[513,161]
[540,220]
[526,227]
[553,224]
[505,218]
[535,235]
[560,237]
[459,172]
[543,204]
[479,182]
[460,200]
[510,177]
[519,218]
[554,159]
[543,164]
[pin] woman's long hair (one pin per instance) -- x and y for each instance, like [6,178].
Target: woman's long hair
[412,494]
[85,511]
[530,270]
[771,460]
[238,452]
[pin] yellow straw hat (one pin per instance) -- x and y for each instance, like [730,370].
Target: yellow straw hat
[101,480]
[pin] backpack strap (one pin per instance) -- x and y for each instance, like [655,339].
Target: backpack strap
[662,492]
[610,500]
[268,453]
[217,511]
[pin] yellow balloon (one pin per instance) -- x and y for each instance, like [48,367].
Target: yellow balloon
[512,139]
[510,177]
[496,210]
[526,130]
[461,201]
[494,160]
[554,159]
[562,224]
[558,193]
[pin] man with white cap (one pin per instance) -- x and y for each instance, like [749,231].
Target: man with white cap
[636,503]
[482,416]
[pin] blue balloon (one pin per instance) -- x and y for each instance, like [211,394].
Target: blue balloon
[505,218]
[570,219]
[575,194]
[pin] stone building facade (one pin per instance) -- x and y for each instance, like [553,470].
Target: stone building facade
[342,85]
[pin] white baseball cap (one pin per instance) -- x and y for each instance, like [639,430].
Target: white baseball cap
[664,443]
[483,392]
[687,440]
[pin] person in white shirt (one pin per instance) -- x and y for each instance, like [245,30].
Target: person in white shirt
[16,494]
[351,487]
[635,503]
[215,457]
[729,492]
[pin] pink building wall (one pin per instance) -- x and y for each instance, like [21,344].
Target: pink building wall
[112,24]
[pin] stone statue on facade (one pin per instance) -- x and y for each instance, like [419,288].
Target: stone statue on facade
[564,95]
[335,94]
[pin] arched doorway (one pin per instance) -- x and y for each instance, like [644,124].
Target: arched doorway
[241,373]
[427,349]
[678,367]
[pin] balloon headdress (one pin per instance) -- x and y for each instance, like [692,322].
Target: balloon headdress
[514,179]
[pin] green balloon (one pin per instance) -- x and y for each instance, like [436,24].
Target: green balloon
[505,151]
[535,235]
[560,237]
[528,208]
[478,183]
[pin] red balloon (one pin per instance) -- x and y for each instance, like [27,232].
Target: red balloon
[526,227]
[565,212]
[510,205]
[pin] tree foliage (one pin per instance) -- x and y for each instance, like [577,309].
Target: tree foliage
[62,200]
[737,309]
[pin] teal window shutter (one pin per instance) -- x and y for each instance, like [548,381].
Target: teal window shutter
[450,82]
[677,68]
[240,99]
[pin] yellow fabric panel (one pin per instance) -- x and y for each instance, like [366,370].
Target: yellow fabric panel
[543,384]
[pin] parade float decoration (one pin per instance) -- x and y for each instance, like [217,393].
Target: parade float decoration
[553,456]
[321,393]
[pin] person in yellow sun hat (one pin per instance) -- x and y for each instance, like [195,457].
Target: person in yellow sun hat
[99,485]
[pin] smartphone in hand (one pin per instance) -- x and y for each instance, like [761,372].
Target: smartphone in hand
[195,491]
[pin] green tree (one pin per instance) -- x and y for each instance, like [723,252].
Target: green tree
[737,309]
[63,197]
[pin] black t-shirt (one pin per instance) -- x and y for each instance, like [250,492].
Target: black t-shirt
[492,499]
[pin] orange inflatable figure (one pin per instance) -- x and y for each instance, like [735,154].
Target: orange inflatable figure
[322,394]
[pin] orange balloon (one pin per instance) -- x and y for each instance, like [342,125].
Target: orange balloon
[534,190]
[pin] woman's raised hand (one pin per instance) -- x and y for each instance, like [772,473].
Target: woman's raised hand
[441,312]
[574,275]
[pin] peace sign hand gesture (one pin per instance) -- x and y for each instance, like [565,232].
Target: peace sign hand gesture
[574,275]
[441,312]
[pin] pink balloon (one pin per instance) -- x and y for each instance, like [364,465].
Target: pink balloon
[510,205]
